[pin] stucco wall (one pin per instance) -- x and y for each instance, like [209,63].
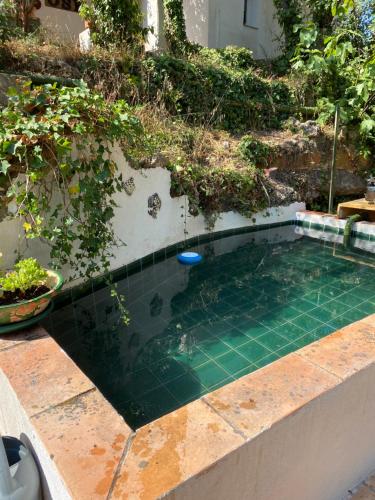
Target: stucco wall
[197,16]
[318,452]
[218,23]
[64,25]
[142,233]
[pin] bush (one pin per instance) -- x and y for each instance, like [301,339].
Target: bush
[59,140]
[239,58]
[255,152]
[234,99]
[215,190]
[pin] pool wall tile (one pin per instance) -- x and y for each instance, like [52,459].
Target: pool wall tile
[67,296]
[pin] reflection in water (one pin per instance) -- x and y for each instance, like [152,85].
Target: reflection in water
[255,298]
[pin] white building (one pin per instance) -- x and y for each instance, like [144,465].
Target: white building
[218,23]
[211,23]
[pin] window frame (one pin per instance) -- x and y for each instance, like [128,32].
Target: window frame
[245,23]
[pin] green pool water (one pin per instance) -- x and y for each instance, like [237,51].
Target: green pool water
[254,298]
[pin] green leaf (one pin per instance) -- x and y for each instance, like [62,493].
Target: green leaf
[367,125]
[4,166]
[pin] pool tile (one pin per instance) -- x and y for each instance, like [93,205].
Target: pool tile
[210,374]
[366,307]
[158,402]
[253,351]
[317,298]
[270,358]
[234,338]
[272,341]
[245,371]
[232,362]
[193,358]
[306,322]
[142,381]
[167,369]
[302,305]
[290,331]
[185,388]
[213,348]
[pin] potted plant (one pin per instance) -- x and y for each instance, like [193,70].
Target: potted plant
[26,291]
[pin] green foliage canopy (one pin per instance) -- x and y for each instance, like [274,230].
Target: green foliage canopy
[342,72]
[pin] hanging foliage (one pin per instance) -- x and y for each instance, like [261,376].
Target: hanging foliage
[175,28]
[56,167]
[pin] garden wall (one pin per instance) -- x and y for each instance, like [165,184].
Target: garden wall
[147,219]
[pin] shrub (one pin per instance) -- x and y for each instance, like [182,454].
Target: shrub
[114,23]
[215,190]
[255,152]
[216,94]
[239,58]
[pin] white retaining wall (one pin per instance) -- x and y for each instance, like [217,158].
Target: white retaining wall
[142,233]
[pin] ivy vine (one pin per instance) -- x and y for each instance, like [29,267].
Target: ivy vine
[114,23]
[56,166]
[175,28]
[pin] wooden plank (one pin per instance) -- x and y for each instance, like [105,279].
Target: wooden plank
[361,206]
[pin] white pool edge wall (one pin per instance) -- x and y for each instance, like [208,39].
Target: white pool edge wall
[143,233]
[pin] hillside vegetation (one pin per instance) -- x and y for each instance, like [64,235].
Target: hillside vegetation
[222,122]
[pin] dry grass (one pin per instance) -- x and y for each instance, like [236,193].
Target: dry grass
[187,144]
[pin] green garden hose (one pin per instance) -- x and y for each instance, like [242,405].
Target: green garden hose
[348,227]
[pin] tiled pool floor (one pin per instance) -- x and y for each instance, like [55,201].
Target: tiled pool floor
[192,330]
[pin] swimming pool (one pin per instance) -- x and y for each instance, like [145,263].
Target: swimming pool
[255,298]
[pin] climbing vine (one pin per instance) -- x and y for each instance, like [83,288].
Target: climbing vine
[175,28]
[114,23]
[56,168]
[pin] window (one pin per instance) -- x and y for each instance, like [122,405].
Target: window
[251,13]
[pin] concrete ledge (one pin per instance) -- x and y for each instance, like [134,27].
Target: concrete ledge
[302,427]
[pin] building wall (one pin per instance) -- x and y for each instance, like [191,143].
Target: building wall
[218,23]
[197,16]
[63,24]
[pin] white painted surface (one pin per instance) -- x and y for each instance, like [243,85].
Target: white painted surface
[14,422]
[318,452]
[218,23]
[132,223]
[63,24]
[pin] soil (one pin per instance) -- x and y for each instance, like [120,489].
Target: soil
[9,298]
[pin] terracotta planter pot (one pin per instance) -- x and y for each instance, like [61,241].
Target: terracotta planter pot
[22,311]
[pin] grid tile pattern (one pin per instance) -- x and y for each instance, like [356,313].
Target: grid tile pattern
[196,329]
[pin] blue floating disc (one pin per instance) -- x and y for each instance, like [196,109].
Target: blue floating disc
[189,258]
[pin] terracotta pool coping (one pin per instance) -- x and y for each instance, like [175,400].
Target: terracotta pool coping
[99,456]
